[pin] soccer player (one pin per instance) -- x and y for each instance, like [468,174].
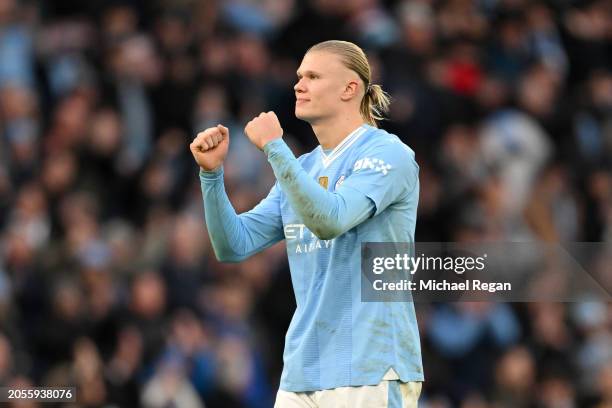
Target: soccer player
[360,185]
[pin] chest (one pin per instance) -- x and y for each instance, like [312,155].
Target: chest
[329,175]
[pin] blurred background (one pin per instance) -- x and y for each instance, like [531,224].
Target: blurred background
[107,279]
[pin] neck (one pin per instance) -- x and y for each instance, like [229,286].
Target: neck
[331,132]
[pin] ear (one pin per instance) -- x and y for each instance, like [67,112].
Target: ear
[350,90]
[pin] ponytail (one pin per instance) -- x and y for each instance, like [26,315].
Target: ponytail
[375,104]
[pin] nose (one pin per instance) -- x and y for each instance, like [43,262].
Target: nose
[299,86]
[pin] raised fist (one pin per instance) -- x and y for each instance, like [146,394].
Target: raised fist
[263,129]
[209,147]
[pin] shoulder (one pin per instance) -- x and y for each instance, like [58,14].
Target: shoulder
[382,146]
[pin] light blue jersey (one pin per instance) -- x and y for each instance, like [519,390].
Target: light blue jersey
[370,194]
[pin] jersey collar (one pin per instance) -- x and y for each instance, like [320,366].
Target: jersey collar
[327,159]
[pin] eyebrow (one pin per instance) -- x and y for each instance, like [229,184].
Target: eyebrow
[307,72]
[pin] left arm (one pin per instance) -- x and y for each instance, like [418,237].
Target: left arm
[363,194]
[326,214]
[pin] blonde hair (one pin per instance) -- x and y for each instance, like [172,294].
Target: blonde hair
[375,102]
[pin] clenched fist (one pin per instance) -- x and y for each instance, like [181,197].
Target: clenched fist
[209,147]
[263,129]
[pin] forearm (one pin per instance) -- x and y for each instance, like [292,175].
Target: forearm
[230,237]
[326,214]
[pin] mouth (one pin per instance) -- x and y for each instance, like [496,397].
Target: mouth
[300,101]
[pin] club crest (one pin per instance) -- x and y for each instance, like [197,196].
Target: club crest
[324,181]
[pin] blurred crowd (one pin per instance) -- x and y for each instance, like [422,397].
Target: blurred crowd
[107,278]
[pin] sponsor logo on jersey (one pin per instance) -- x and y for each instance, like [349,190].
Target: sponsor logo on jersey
[305,240]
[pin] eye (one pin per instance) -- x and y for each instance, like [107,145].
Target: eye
[313,76]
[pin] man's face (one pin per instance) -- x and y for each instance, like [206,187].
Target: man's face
[322,80]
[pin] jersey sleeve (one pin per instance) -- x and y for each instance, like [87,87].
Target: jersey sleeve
[326,214]
[384,173]
[263,224]
[237,237]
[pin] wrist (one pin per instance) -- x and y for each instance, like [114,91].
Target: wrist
[272,145]
[211,174]
[266,141]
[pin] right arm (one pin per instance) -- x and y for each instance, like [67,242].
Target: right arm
[237,237]
[234,237]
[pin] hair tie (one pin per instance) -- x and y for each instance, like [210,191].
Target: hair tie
[369,88]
